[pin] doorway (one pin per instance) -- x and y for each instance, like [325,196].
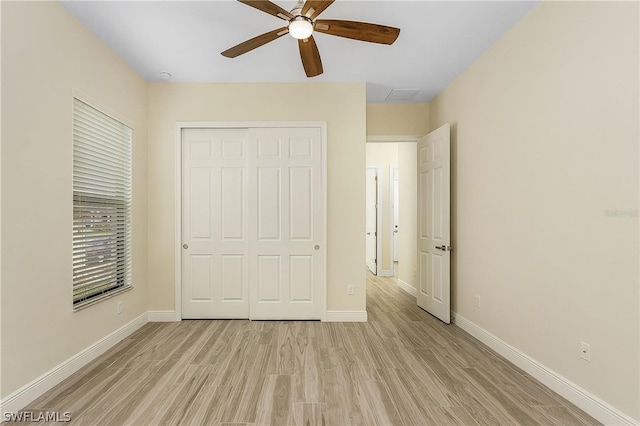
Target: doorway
[394,188]
[396,157]
[382,157]
[373,219]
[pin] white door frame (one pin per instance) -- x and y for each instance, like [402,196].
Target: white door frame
[178,194]
[378,235]
[393,171]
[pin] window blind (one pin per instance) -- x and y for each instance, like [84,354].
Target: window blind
[101,205]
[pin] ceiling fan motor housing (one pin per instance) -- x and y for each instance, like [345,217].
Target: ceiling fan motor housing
[300,27]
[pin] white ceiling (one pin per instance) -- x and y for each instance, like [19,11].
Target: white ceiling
[438,40]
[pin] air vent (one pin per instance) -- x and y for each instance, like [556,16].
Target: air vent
[401,94]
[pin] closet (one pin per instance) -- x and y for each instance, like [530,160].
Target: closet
[253,223]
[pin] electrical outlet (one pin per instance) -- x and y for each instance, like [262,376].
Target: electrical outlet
[477,301]
[119,307]
[585,351]
[351,289]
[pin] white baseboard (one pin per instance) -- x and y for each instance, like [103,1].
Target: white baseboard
[408,288]
[591,404]
[346,316]
[162,316]
[29,392]
[385,273]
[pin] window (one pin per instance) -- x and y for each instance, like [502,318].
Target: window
[101,205]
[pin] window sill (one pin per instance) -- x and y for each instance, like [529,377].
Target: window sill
[82,305]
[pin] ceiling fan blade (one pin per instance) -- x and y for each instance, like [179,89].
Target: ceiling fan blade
[268,7]
[362,31]
[318,7]
[310,57]
[255,42]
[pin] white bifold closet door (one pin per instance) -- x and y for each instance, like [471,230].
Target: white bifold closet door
[253,223]
[215,239]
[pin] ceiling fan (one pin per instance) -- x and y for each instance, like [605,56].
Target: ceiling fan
[302,22]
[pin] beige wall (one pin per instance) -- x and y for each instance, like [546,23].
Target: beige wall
[408,182]
[397,119]
[46,54]
[342,106]
[383,156]
[545,142]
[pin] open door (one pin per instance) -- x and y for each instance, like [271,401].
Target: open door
[434,227]
[395,189]
[372,219]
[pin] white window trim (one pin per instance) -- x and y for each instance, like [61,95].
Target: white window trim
[128,186]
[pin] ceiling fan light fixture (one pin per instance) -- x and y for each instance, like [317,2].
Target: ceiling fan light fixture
[300,27]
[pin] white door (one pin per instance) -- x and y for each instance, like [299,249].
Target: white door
[214,224]
[253,232]
[286,223]
[372,219]
[396,212]
[434,244]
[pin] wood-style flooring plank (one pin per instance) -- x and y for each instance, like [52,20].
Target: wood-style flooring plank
[376,405]
[564,416]
[276,401]
[408,404]
[309,414]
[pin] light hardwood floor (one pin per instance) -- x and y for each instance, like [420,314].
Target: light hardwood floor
[403,367]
